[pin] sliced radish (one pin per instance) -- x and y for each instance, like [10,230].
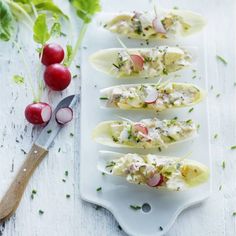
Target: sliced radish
[138,62]
[64,115]
[155,180]
[158,26]
[141,128]
[151,96]
[38,113]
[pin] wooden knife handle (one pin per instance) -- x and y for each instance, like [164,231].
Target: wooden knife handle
[12,197]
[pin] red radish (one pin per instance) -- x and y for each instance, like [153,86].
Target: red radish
[158,26]
[141,128]
[52,53]
[38,113]
[57,77]
[138,62]
[64,115]
[151,96]
[155,180]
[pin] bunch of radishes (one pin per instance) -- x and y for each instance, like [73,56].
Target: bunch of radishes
[57,77]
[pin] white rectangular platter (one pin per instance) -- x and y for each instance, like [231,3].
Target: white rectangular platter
[117,195]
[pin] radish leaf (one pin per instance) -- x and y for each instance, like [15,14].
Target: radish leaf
[85,9]
[68,56]
[5,22]
[41,33]
[56,29]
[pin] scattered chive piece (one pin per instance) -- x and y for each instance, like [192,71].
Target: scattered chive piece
[103,98]
[220,187]
[211,87]
[234,213]
[223,164]
[66,173]
[190,110]
[160,228]
[59,149]
[215,136]
[77,66]
[198,126]
[175,8]
[103,173]
[41,212]
[221,59]
[235,84]
[49,131]
[18,79]
[218,95]
[119,227]
[63,180]
[34,191]
[99,189]
[71,134]
[135,207]
[67,195]
[233,147]
[32,196]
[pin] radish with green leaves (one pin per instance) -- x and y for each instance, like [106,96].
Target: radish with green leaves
[52,53]
[38,113]
[57,77]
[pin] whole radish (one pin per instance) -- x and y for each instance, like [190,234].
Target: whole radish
[38,113]
[52,53]
[57,77]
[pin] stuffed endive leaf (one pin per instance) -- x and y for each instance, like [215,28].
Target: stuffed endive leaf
[147,133]
[140,62]
[159,172]
[156,97]
[148,25]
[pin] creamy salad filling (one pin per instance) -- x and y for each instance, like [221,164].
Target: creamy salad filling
[149,133]
[151,96]
[151,62]
[158,172]
[147,26]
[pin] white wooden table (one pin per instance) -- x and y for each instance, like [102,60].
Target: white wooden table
[71,216]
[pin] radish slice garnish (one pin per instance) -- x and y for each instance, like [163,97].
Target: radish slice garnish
[141,128]
[151,95]
[64,115]
[138,62]
[155,180]
[158,26]
[46,113]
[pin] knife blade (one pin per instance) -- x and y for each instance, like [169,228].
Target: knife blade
[38,151]
[51,130]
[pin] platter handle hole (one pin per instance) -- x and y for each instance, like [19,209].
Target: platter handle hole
[146,207]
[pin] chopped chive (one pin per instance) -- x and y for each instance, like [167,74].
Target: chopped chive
[160,228]
[215,136]
[103,98]
[119,227]
[211,87]
[190,110]
[220,187]
[234,213]
[49,131]
[234,84]
[59,149]
[103,173]
[221,59]
[75,76]
[135,207]
[233,147]
[67,195]
[223,164]
[34,191]
[41,212]
[66,173]
[99,189]
[71,134]
[218,95]
[77,66]
[63,180]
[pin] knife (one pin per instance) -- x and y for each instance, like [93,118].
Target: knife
[38,151]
